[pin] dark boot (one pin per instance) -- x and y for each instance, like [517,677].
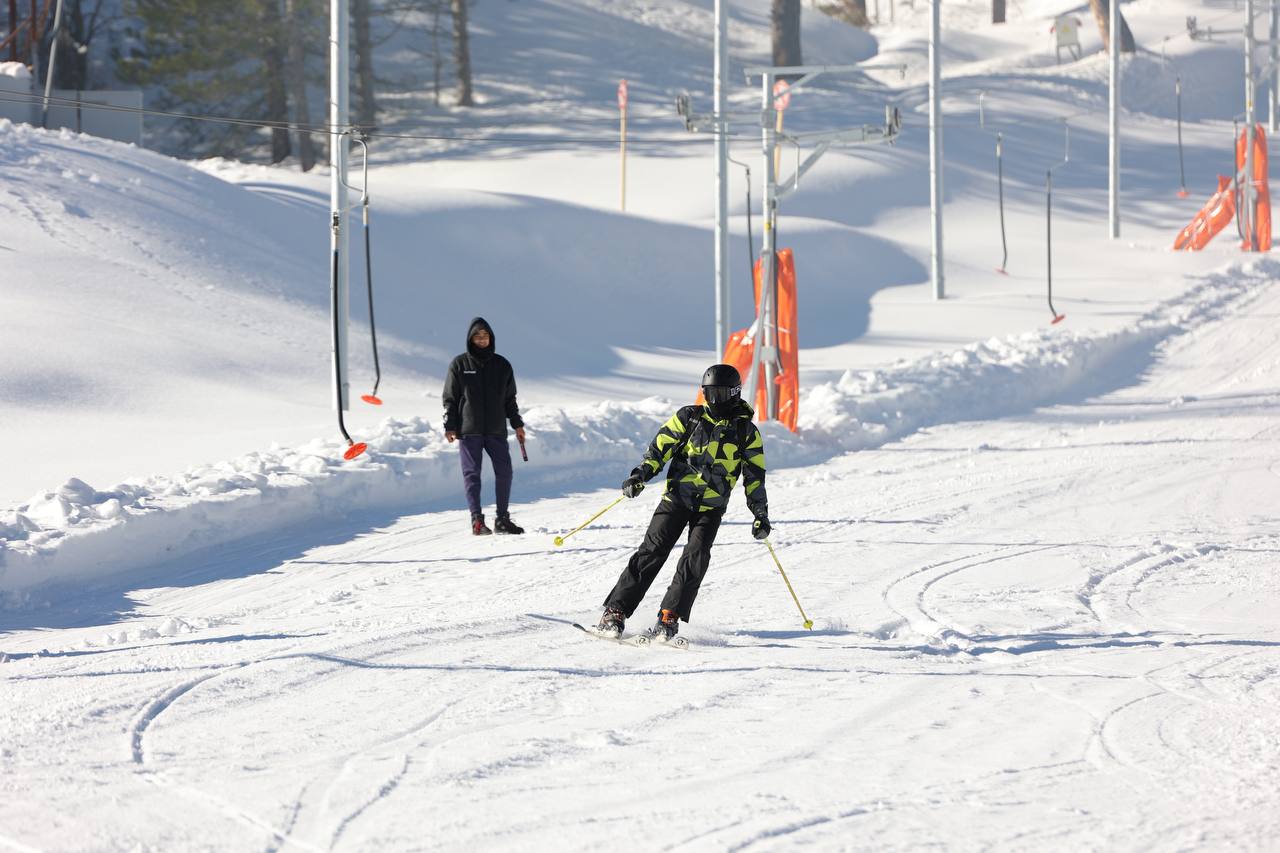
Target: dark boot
[478,527]
[667,626]
[504,524]
[612,622]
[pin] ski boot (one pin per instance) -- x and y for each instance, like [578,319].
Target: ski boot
[611,623]
[504,524]
[478,527]
[666,628]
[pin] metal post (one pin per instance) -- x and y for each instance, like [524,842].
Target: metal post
[339,85]
[1250,117]
[764,352]
[53,59]
[1113,206]
[935,149]
[1274,46]
[722,177]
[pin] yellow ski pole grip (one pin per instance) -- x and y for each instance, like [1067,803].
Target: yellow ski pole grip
[808,623]
[559,540]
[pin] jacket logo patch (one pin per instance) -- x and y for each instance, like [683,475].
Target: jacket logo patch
[470,372]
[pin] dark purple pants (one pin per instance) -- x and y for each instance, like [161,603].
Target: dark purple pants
[472,449]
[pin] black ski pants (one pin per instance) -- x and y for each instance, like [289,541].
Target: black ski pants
[669,521]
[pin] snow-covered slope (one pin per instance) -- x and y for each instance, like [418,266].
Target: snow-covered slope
[1049,630]
[1039,557]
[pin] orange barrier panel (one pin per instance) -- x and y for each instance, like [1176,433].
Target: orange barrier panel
[741,345]
[1212,218]
[1262,209]
[1221,207]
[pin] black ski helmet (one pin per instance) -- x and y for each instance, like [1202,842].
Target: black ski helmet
[722,375]
[722,389]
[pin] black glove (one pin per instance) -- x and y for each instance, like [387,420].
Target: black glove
[633,485]
[761,528]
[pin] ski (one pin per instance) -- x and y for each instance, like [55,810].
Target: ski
[635,640]
[645,639]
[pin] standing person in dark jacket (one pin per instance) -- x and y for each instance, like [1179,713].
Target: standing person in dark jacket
[709,448]
[479,399]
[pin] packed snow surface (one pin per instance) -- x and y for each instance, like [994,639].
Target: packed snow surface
[1040,559]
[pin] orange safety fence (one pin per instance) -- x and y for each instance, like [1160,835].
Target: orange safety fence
[1221,207]
[1261,241]
[741,345]
[1212,218]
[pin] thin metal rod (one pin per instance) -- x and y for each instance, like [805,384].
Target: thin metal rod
[722,179]
[751,248]
[1004,243]
[935,149]
[53,59]
[338,151]
[1273,43]
[1250,118]
[1182,173]
[1113,194]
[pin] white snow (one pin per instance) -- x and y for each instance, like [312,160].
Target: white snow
[1040,559]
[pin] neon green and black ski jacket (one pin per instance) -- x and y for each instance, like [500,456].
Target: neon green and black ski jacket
[707,458]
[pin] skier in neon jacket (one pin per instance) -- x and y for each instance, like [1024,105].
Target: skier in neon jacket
[709,448]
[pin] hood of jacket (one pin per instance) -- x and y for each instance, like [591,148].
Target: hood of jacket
[476,325]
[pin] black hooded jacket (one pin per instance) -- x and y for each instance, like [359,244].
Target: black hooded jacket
[480,389]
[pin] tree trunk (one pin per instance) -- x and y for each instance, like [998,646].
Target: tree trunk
[785,17]
[1102,14]
[273,43]
[437,61]
[997,11]
[297,72]
[366,106]
[462,52]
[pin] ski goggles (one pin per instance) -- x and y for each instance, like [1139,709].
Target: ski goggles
[721,393]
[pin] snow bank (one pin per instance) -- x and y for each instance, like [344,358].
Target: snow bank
[15,69]
[1004,376]
[77,532]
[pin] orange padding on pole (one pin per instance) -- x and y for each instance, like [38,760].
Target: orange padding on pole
[1221,207]
[1262,209]
[742,342]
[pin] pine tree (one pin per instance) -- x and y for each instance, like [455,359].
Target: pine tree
[213,57]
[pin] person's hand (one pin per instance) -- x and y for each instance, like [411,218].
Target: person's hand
[761,528]
[520,434]
[632,486]
[450,436]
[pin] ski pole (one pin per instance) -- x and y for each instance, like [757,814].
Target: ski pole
[559,540]
[523,453]
[808,623]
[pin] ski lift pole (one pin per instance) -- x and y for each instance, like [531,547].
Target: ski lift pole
[1182,174]
[982,122]
[622,135]
[751,248]
[372,398]
[1048,221]
[354,448]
